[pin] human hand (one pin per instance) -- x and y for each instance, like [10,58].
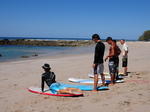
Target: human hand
[41,92]
[93,65]
[106,58]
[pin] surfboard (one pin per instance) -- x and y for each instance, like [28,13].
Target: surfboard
[120,74]
[84,87]
[91,80]
[108,76]
[49,92]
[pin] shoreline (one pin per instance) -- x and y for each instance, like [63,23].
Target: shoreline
[38,56]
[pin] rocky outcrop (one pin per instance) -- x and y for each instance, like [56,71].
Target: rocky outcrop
[29,56]
[46,43]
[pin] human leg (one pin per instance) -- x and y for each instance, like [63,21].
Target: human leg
[103,79]
[112,70]
[125,71]
[100,71]
[124,64]
[95,82]
[61,91]
[112,79]
[95,77]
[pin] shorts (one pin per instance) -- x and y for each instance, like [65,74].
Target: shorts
[112,65]
[117,63]
[99,69]
[55,87]
[124,62]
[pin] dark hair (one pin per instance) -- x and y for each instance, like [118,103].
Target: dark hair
[108,39]
[96,36]
[114,40]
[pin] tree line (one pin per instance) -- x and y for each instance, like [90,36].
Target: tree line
[145,36]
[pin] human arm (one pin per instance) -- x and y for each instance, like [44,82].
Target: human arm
[125,50]
[42,83]
[125,53]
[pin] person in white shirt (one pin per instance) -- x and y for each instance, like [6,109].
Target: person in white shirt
[124,55]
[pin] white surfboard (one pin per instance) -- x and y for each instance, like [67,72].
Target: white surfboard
[77,80]
[108,76]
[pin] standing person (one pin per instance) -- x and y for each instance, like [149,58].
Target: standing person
[49,78]
[124,55]
[98,65]
[113,53]
[117,61]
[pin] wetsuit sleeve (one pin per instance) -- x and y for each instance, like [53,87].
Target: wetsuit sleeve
[42,82]
[97,53]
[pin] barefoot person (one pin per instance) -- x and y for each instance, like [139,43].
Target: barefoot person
[98,61]
[113,53]
[49,78]
[124,55]
[117,61]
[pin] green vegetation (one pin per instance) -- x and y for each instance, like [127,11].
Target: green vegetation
[145,36]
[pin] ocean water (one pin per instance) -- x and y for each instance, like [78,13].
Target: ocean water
[15,52]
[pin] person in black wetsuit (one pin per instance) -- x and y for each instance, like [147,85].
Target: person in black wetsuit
[49,78]
[98,61]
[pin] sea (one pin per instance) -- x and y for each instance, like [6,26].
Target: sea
[17,52]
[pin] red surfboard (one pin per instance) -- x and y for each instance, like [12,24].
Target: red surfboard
[48,92]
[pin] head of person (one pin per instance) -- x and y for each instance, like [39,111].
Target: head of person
[109,40]
[122,41]
[114,40]
[46,67]
[96,38]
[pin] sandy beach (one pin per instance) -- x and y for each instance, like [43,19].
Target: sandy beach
[131,96]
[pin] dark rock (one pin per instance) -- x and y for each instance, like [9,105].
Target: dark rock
[35,55]
[0,55]
[46,43]
[25,56]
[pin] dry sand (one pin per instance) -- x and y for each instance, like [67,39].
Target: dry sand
[131,96]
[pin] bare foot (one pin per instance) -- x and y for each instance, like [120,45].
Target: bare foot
[111,84]
[125,74]
[78,90]
[103,85]
[70,92]
[94,91]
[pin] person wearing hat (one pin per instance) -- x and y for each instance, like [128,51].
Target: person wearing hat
[49,78]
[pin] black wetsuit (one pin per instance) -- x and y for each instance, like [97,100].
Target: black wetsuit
[49,78]
[99,53]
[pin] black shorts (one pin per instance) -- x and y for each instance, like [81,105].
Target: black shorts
[117,62]
[124,62]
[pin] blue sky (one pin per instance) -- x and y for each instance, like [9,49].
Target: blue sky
[119,19]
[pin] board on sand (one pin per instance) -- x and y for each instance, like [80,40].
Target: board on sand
[91,80]
[48,92]
[120,74]
[81,87]
[108,76]
[84,87]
